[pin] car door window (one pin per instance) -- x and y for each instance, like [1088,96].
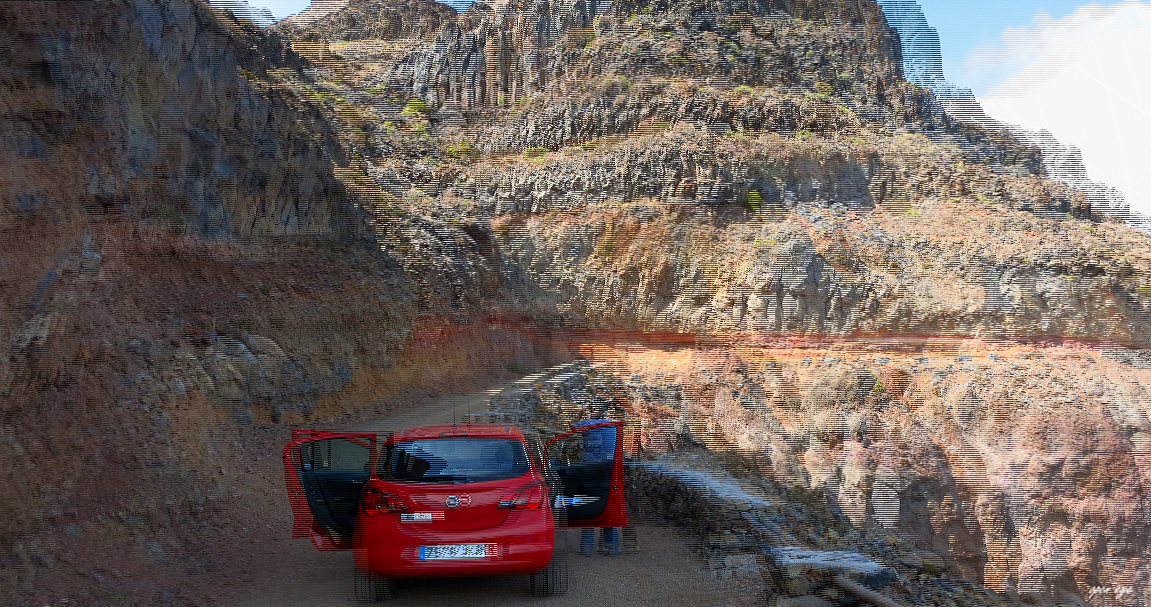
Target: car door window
[340,466]
[326,470]
[627,437]
[593,447]
[345,453]
[586,475]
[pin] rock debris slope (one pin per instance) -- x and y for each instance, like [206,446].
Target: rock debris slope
[240,229]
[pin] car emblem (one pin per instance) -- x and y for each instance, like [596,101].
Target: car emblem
[455,501]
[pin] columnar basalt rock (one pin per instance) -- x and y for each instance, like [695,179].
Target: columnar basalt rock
[537,47]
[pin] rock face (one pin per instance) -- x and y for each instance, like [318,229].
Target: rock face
[316,10]
[241,10]
[936,465]
[487,58]
[179,104]
[640,267]
[136,136]
[950,449]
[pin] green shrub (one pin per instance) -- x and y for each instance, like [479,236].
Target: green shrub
[414,107]
[451,106]
[754,200]
[790,199]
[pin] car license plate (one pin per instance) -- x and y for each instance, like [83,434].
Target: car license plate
[457,551]
[413,517]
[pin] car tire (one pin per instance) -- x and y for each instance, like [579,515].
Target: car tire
[553,580]
[371,587]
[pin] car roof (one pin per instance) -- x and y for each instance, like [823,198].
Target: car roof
[473,429]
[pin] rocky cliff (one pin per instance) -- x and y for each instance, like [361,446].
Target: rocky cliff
[170,212]
[178,105]
[245,228]
[971,451]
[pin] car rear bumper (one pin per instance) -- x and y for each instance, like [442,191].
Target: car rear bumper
[530,543]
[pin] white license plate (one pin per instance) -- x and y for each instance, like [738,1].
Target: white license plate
[457,551]
[415,517]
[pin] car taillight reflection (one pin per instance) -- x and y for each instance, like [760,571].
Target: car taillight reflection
[531,496]
[377,499]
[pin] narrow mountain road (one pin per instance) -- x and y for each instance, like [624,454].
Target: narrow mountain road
[268,568]
[663,574]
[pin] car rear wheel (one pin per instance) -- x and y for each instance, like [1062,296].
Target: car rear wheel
[371,586]
[553,580]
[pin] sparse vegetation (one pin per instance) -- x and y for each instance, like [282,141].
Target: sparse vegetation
[789,200]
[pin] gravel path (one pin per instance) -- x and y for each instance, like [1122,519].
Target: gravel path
[285,571]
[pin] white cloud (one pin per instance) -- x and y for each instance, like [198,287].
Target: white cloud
[1086,78]
[282,8]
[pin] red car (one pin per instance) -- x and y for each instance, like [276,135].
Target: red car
[459,499]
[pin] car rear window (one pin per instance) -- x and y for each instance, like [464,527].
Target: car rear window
[458,459]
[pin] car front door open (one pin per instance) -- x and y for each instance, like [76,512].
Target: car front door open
[326,471]
[600,473]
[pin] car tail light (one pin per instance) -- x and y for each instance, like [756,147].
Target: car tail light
[377,499]
[531,496]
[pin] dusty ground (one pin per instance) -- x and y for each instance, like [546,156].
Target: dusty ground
[245,556]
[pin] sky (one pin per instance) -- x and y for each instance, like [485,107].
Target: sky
[281,8]
[1077,69]
[1081,71]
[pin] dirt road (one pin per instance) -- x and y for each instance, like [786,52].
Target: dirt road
[663,574]
[286,571]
